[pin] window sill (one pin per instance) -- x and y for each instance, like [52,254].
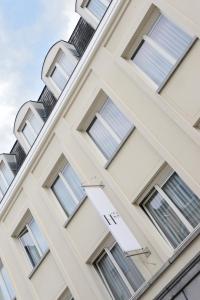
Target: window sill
[38,265]
[177,252]
[109,161]
[74,213]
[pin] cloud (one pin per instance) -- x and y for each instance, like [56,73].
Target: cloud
[7,117]
[23,46]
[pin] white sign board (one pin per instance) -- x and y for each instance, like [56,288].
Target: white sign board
[112,219]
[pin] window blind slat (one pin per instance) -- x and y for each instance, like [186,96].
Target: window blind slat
[152,63]
[170,37]
[115,118]
[103,138]
[168,44]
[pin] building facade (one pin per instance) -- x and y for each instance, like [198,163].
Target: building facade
[119,113]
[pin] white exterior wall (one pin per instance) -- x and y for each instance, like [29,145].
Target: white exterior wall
[164,132]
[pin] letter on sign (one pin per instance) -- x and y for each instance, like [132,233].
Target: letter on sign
[112,219]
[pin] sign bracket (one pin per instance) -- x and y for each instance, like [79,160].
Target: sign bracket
[144,251]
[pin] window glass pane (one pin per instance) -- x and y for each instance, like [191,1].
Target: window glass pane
[35,123]
[7,283]
[128,267]
[167,220]
[103,139]
[116,119]
[191,291]
[4,295]
[30,247]
[3,184]
[152,63]
[66,63]
[169,36]
[97,7]
[113,279]
[183,198]
[169,44]
[59,78]
[180,297]
[63,196]
[67,295]
[29,134]
[6,172]
[73,181]
[38,236]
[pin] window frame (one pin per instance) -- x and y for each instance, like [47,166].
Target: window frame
[7,184]
[27,122]
[157,187]
[56,65]
[96,116]
[6,285]
[27,228]
[107,251]
[66,295]
[78,203]
[143,29]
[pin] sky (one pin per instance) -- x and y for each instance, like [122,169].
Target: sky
[28,28]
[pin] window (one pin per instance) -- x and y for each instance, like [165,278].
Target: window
[161,50]
[119,273]
[66,295]
[68,190]
[6,289]
[31,128]
[6,177]
[33,242]
[174,208]
[98,7]
[62,70]
[109,129]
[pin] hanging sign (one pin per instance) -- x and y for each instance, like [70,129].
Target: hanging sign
[116,225]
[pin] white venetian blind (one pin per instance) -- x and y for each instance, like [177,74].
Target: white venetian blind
[68,190]
[97,7]
[59,78]
[67,63]
[29,134]
[109,128]
[63,69]
[161,49]
[6,172]
[6,289]
[175,209]
[36,125]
